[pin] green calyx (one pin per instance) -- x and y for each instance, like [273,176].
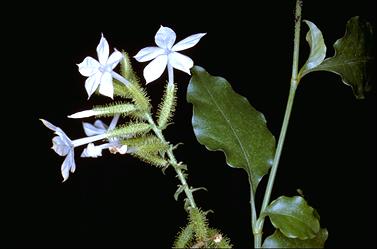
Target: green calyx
[197,233]
[167,106]
[133,91]
[129,130]
[114,108]
[149,149]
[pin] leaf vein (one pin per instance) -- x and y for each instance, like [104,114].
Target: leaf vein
[231,127]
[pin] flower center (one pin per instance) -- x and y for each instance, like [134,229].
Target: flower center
[105,68]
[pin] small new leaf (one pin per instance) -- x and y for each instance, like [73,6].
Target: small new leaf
[178,192]
[294,217]
[317,49]
[180,166]
[196,189]
[279,240]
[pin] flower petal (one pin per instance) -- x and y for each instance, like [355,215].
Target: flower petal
[148,53]
[155,68]
[96,129]
[92,151]
[165,37]
[114,121]
[63,138]
[48,124]
[83,114]
[188,42]
[180,62]
[101,125]
[121,149]
[60,146]
[68,165]
[88,66]
[92,83]
[106,87]
[114,59]
[103,50]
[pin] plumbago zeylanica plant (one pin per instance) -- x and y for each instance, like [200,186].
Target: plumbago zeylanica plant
[222,120]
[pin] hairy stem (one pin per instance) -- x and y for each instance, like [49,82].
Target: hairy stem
[173,162]
[292,91]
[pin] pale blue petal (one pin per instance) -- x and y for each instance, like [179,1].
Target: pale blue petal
[48,124]
[83,114]
[68,165]
[180,62]
[148,53]
[60,146]
[165,37]
[155,68]
[88,66]
[103,50]
[92,83]
[106,86]
[92,151]
[100,125]
[114,121]
[114,59]
[188,42]
[91,130]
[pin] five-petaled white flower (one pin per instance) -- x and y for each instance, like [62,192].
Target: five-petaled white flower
[98,128]
[166,54]
[64,146]
[99,72]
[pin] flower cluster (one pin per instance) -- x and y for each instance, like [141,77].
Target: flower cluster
[64,146]
[101,75]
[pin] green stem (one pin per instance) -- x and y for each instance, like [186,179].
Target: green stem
[253,210]
[158,132]
[292,91]
[173,162]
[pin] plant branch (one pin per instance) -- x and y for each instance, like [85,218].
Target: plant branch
[292,91]
[173,162]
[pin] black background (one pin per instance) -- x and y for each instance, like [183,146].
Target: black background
[115,201]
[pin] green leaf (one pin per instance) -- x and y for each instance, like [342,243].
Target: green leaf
[317,49]
[224,120]
[294,217]
[354,54]
[178,192]
[278,240]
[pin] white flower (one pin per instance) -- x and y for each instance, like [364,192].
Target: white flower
[92,151]
[98,128]
[64,146]
[99,72]
[166,54]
